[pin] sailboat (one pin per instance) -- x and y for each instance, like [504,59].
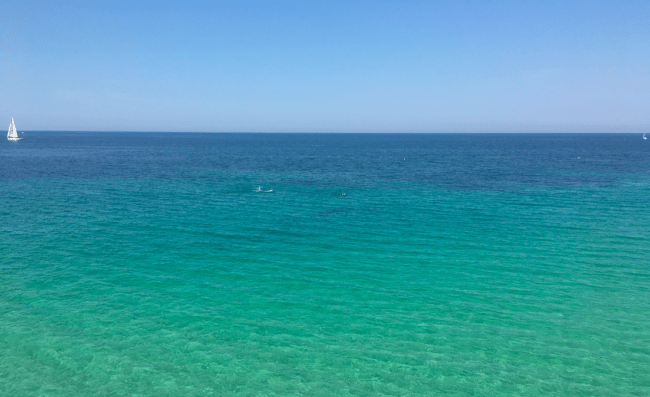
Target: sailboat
[644,136]
[13,135]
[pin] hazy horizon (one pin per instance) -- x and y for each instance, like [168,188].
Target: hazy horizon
[329,132]
[447,67]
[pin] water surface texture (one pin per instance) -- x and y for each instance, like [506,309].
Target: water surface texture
[147,264]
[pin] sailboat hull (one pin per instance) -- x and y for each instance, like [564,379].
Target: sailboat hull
[14,139]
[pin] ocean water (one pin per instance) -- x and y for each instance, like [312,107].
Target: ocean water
[146,264]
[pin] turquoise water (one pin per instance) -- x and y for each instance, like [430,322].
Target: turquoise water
[147,265]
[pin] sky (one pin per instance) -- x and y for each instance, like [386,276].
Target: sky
[330,66]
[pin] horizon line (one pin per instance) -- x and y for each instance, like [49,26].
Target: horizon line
[338,132]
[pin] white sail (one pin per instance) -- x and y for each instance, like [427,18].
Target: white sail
[12,130]
[12,135]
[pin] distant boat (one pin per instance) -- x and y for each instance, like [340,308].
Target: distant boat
[13,135]
[644,136]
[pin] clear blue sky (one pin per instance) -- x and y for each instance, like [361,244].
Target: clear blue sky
[364,66]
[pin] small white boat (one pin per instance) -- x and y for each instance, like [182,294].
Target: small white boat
[13,135]
[644,136]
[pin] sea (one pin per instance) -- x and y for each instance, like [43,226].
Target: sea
[195,264]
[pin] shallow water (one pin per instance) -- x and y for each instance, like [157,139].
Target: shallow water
[145,264]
